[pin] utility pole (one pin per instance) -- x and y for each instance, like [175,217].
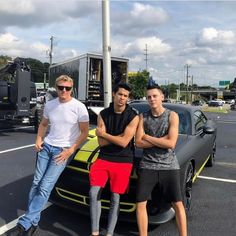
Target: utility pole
[44,81]
[146,55]
[191,88]
[50,51]
[187,67]
[50,55]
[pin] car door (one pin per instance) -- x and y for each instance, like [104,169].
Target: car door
[202,141]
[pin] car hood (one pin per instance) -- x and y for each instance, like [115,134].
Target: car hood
[88,153]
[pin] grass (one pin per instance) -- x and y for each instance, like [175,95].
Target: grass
[224,109]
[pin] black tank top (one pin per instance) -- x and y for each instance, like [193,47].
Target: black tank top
[115,124]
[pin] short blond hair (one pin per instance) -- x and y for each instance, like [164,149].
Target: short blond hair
[64,78]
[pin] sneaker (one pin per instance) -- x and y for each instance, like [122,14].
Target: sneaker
[18,230]
[32,231]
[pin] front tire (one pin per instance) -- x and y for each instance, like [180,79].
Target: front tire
[187,185]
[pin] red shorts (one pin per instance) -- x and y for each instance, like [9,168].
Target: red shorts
[117,173]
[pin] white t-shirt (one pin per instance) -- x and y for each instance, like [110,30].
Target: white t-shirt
[64,121]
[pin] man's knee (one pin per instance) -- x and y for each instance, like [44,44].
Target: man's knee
[115,198]
[94,192]
[178,204]
[178,207]
[141,206]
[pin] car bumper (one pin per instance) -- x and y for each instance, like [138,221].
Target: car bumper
[72,192]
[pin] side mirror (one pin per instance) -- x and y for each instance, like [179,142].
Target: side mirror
[209,127]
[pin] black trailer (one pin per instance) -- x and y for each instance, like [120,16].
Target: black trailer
[17,94]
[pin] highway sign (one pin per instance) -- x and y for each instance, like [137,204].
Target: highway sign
[224,82]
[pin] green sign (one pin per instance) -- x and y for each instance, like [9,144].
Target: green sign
[224,82]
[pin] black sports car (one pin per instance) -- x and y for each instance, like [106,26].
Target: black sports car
[195,148]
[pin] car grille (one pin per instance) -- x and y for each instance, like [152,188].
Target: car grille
[82,199]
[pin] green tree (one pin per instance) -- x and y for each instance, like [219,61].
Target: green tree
[138,82]
[37,70]
[170,90]
[4,60]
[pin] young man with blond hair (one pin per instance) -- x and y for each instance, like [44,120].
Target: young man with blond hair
[69,124]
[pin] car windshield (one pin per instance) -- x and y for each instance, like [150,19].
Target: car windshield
[184,117]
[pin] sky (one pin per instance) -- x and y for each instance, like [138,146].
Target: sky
[171,35]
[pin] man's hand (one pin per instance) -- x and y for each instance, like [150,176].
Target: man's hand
[38,145]
[100,131]
[63,156]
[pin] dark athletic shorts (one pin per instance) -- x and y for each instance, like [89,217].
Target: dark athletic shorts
[117,173]
[167,181]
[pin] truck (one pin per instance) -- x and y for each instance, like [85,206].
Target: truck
[87,73]
[17,94]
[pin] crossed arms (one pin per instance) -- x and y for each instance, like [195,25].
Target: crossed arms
[168,141]
[122,139]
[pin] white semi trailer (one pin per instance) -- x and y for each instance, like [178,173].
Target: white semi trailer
[87,73]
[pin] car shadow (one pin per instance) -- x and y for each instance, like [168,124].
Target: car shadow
[55,220]
[63,222]
[13,199]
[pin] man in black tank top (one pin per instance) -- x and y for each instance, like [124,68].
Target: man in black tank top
[116,127]
[157,134]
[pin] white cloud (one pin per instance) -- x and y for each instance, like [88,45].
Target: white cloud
[31,13]
[13,46]
[38,47]
[6,39]
[199,33]
[214,37]
[155,46]
[142,20]
[148,14]
[22,7]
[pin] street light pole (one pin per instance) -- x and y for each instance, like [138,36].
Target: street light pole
[106,52]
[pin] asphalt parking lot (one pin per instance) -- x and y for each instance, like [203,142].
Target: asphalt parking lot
[212,212]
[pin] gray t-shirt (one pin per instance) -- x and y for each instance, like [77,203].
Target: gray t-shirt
[156,158]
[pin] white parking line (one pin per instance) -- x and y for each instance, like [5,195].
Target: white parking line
[18,148]
[13,223]
[226,121]
[218,179]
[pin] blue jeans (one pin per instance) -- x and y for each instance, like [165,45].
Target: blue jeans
[46,174]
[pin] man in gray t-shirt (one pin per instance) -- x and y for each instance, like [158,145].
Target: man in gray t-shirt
[157,134]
